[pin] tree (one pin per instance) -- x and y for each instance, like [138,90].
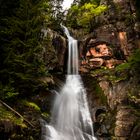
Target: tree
[82,15]
[21,42]
[21,46]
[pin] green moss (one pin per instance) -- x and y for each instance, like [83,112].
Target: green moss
[135,62]
[45,114]
[6,115]
[134,102]
[31,105]
[113,75]
[115,79]
[100,72]
[99,92]
[113,138]
[122,67]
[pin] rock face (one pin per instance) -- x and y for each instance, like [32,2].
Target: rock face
[125,120]
[114,107]
[113,41]
[118,29]
[54,50]
[126,116]
[98,53]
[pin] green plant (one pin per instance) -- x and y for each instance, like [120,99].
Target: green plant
[8,116]
[7,92]
[82,15]
[100,93]
[31,104]
[21,47]
[122,67]
[135,61]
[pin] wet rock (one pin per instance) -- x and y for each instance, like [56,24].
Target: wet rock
[60,46]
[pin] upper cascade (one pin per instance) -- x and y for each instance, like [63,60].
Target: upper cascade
[73,63]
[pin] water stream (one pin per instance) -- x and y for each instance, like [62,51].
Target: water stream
[71,119]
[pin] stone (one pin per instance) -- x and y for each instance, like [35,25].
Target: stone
[83,70]
[54,50]
[47,80]
[125,120]
[123,42]
[96,62]
[97,53]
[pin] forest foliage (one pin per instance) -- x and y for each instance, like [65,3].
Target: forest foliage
[21,43]
[82,14]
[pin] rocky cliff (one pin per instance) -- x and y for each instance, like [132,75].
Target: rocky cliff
[115,107]
[114,103]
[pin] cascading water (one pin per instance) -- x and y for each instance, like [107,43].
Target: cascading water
[71,119]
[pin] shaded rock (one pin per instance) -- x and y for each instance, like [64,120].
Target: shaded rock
[46,80]
[60,45]
[97,111]
[125,120]
[54,50]
[135,134]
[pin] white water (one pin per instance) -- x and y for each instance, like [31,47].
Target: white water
[71,119]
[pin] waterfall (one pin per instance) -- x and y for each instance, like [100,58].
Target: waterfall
[71,118]
[72,53]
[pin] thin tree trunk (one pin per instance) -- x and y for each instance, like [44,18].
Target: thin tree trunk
[16,113]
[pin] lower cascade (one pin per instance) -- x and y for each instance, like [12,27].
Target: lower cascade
[71,118]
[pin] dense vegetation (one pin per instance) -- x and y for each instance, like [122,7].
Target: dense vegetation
[82,14]
[22,43]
